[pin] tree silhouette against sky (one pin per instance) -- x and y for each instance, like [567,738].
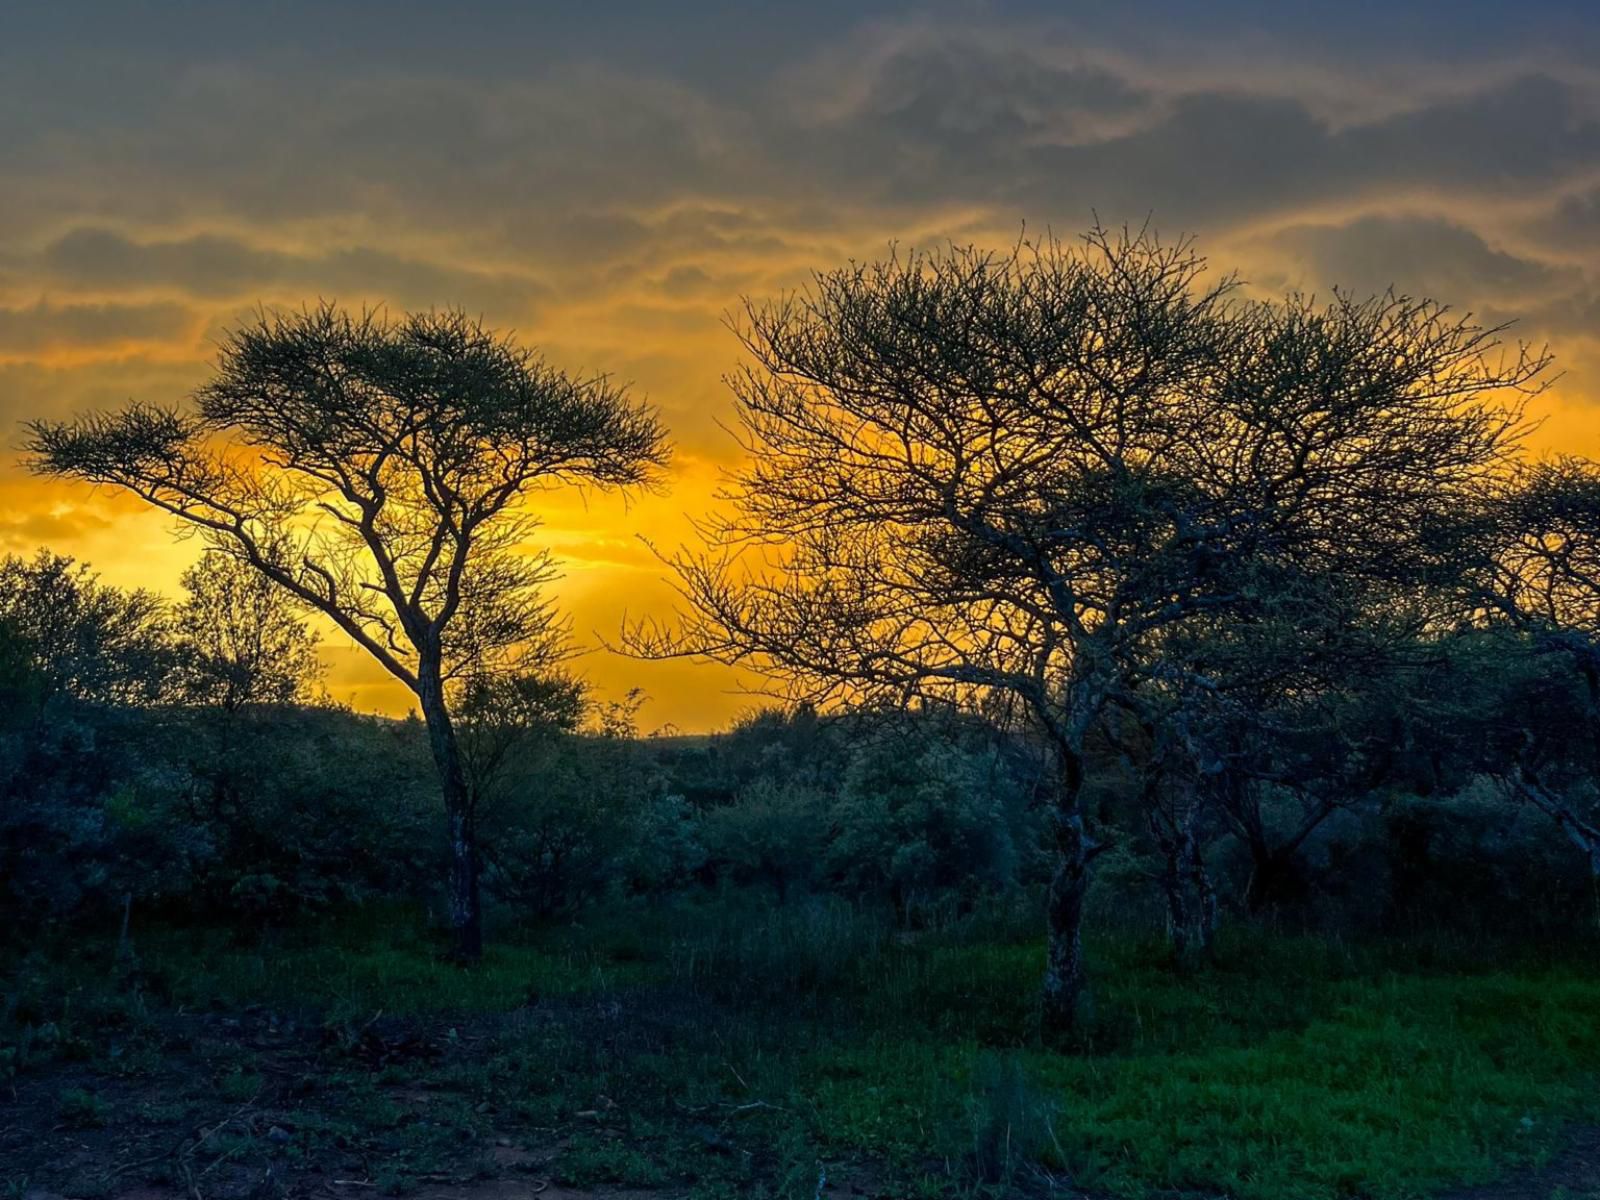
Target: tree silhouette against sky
[377,470]
[1006,479]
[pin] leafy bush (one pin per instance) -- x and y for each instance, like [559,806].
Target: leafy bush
[774,835]
[926,826]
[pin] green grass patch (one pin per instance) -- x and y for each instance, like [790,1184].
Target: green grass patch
[747,1051]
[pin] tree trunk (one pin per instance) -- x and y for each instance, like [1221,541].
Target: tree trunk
[1179,918]
[1190,905]
[1063,975]
[1274,879]
[1191,900]
[466,914]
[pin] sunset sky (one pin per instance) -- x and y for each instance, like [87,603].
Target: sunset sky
[606,179]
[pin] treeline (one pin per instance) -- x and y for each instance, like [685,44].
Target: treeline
[173,762]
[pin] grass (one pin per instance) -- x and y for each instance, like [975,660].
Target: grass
[365,965]
[728,1051]
[1416,1084]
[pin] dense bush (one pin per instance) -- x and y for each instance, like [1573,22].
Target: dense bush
[161,761]
[582,816]
[927,824]
[289,810]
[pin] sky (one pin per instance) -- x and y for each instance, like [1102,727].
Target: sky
[608,179]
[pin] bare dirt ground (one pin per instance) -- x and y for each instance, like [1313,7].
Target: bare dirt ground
[260,1108]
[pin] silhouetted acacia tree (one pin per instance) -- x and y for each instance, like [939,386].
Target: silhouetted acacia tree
[376,470]
[1003,478]
[1534,565]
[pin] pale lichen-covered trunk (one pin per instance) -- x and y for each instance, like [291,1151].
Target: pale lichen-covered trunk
[1191,900]
[466,917]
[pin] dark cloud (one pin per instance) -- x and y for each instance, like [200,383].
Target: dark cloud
[580,158]
[1208,155]
[1421,255]
[577,241]
[953,94]
[1571,318]
[1542,298]
[1573,225]
[1504,139]
[56,389]
[412,154]
[579,178]
[213,267]
[47,326]
[689,280]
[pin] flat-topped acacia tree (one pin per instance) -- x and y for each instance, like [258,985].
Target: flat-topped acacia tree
[378,470]
[1006,479]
